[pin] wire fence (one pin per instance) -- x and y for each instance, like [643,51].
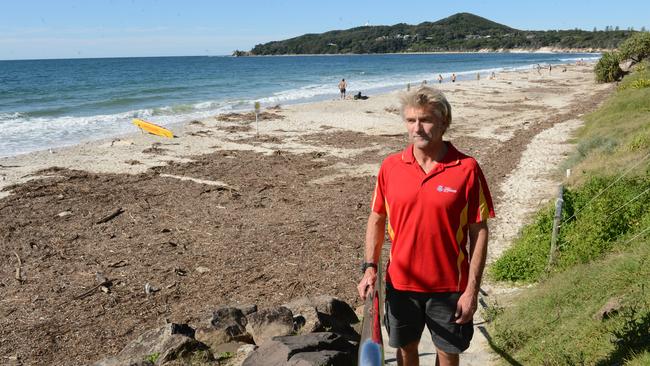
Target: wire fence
[625,173]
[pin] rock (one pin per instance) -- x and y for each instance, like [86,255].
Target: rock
[248,309]
[610,308]
[202,270]
[268,323]
[228,324]
[305,316]
[64,213]
[170,342]
[309,349]
[323,313]
[626,65]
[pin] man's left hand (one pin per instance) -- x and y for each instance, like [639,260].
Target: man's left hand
[466,307]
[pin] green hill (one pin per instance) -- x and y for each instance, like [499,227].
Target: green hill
[459,32]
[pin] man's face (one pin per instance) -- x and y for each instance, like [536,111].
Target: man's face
[425,127]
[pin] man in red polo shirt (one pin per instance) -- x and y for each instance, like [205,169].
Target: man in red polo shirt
[435,201]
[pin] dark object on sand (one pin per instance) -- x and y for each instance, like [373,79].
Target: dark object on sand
[359,96]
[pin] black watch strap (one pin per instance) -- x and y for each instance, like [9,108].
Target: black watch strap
[367,265]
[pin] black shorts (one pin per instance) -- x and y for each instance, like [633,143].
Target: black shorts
[407,313]
[342,91]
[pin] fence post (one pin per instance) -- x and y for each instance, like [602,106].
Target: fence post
[556,225]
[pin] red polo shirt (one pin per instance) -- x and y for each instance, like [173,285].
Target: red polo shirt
[428,218]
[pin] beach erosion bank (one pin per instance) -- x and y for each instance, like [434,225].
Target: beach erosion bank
[272,210]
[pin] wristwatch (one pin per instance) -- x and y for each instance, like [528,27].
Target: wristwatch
[367,265]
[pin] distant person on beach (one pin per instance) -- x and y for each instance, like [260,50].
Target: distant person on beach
[478,76]
[539,69]
[439,79]
[453,78]
[550,67]
[493,76]
[342,86]
[359,96]
[436,202]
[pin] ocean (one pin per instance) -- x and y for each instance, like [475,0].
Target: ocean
[54,103]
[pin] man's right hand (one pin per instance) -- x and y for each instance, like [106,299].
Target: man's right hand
[367,283]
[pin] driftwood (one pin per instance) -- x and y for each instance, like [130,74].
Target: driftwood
[19,269]
[104,284]
[111,216]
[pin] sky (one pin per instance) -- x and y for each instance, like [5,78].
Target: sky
[40,29]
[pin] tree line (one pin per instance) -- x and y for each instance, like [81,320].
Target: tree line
[462,32]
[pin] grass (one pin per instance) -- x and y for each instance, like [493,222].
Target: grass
[590,229]
[604,250]
[617,134]
[553,324]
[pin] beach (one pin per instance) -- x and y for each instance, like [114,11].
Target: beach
[238,212]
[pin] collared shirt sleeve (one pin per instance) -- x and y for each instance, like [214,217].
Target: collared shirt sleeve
[378,204]
[480,205]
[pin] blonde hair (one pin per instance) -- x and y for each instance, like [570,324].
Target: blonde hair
[427,97]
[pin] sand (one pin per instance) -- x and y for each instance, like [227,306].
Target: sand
[517,127]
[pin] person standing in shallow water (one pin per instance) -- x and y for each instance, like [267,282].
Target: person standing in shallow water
[435,201]
[453,78]
[342,86]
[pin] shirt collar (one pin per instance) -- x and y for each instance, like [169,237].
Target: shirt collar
[451,158]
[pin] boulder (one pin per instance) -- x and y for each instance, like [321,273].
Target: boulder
[228,324]
[157,346]
[310,349]
[305,316]
[626,65]
[268,323]
[320,313]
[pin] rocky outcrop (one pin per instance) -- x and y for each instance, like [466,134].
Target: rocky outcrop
[306,331]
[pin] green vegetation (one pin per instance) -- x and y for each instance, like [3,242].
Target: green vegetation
[459,32]
[603,250]
[224,356]
[554,324]
[597,228]
[152,357]
[636,49]
[607,69]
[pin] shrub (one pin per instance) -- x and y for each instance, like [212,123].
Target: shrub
[636,48]
[607,68]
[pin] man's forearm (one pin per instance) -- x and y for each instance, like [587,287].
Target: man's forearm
[374,237]
[478,235]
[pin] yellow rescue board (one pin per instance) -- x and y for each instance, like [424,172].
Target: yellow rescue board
[152,128]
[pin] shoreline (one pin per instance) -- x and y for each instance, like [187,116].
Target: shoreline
[21,168]
[117,123]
